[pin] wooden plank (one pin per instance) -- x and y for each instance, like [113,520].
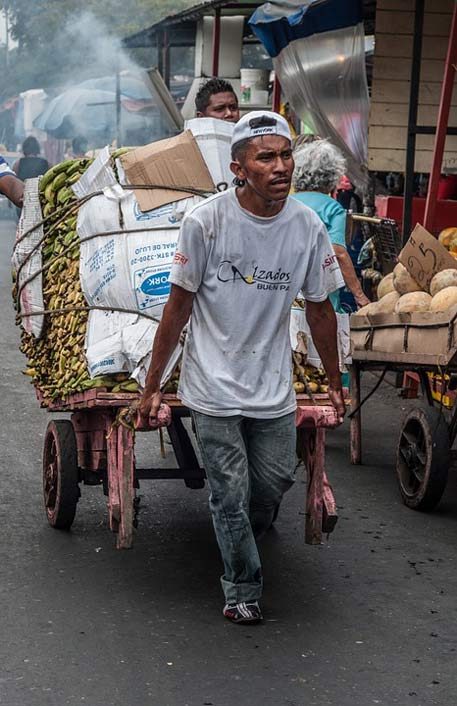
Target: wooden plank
[114,501]
[390,91]
[437,24]
[429,362]
[395,138]
[395,22]
[396,114]
[401,46]
[442,6]
[311,449]
[393,160]
[400,22]
[390,69]
[404,5]
[394,46]
[125,471]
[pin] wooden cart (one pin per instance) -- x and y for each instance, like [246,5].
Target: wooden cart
[96,446]
[428,432]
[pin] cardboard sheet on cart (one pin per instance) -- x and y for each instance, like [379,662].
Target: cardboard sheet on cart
[176,161]
[427,337]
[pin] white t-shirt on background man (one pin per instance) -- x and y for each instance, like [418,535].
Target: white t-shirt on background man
[245,271]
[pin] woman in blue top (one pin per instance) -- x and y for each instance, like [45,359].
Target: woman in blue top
[319,167]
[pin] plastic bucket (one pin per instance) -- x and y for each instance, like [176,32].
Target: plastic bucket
[253,80]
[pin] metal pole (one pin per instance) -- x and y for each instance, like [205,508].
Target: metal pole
[441,125]
[412,118]
[216,40]
[166,58]
[276,98]
[118,106]
[7,35]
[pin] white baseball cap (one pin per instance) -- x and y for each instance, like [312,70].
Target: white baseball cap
[258,123]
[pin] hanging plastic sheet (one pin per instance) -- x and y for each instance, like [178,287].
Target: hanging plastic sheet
[318,51]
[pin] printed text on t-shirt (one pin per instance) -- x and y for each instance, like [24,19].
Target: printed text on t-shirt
[263,278]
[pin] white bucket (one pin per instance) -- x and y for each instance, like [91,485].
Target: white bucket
[253,79]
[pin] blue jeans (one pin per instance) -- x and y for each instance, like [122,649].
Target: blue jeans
[249,463]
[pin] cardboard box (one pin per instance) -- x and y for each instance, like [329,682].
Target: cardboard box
[424,256]
[176,161]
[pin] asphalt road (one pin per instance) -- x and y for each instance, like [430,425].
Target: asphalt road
[367,618]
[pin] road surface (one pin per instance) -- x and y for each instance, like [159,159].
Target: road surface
[367,618]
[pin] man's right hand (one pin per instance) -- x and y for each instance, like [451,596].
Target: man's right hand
[336,398]
[148,409]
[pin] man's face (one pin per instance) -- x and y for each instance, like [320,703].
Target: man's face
[223,106]
[266,167]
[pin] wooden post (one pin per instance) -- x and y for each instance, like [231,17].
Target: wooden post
[356,420]
[216,40]
[125,472]
[114,502]
[312,450]
[412,117]
[276,98]
[441,125]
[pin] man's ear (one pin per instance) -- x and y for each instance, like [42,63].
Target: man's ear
[237,170]
[200,114]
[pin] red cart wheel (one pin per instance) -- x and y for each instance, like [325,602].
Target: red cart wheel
[423,456]
[60,474]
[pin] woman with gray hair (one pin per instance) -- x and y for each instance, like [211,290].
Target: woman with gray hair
[319,166]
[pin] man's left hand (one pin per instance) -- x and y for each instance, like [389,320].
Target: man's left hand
[336,398]
[361,300]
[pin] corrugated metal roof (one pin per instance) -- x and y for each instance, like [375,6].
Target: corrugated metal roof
[184,23]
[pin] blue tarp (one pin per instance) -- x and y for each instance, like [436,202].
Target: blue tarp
[277,24]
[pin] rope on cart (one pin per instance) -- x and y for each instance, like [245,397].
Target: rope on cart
[365,399]
[220,186]
[68,309]
[70,208]
[64,252]
[124,418]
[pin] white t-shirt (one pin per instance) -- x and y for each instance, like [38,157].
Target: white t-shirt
[246,271]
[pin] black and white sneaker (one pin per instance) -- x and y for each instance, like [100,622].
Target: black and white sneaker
[243,612]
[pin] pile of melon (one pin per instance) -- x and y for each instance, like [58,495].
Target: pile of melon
[448,238]
[399,293]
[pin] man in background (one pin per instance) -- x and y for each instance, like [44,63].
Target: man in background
[217,99]
[31,164]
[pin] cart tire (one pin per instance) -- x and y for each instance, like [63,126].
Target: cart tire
[60,474]
[423,457]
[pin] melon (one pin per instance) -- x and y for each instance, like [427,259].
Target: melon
[403,282]
[386,285]
[413,301]
[446,236]
[367,309]
[444,299]
[386,305]
[443,279]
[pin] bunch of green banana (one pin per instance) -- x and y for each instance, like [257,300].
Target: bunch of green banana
[56,361]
